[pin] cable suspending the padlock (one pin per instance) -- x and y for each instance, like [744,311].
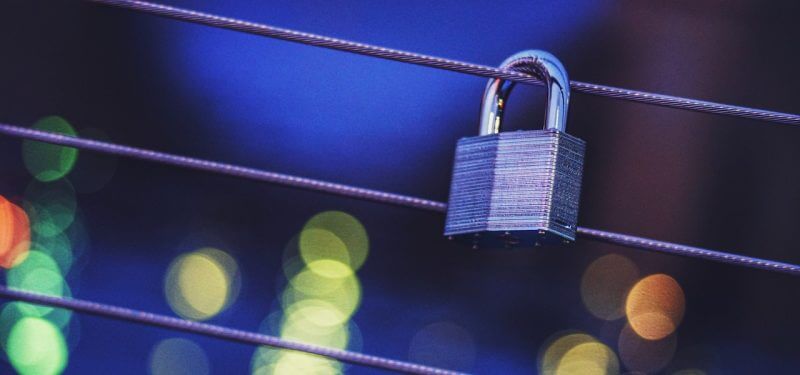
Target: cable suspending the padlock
[662,100]
[224,333]
[374,195]
[357,192]
[517,189]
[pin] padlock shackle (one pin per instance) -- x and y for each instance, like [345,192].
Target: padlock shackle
[541,64]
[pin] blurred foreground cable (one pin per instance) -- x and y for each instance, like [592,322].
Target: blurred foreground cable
[120,313]
[446,64]
[374,195]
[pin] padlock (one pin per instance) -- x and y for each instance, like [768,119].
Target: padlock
[520,188]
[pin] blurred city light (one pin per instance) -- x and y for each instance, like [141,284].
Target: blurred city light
[178,356]
[40,255]
[36,347]
[320,244]
[576,353]
[48,162]
[50,206]
[200,284]
[39,273]
[315,244]
[58,247]
[341,294]
[606,283]
[655,306]
[10,314]
[321,294]
[15,233]
[589,358]
[290,363]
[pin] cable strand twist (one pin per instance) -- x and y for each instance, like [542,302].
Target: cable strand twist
[224,333]
[662,100]
[640,243]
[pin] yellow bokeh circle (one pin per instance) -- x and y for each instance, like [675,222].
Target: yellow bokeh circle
[345,296]
[322,314]
[577,353]
[319,244]
[606,283]
[589,358]
[334,235]
[200,284]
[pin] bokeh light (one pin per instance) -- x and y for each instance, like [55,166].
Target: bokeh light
[93,171]
[589,358]
[655,306]
[58,247]
[200,284]
[15,233]
[265,358]
[10,314]
[43,281]
[79,249]
[37,244]
[443,344]
[291,363]
[39,274]
[51,206]
[329,279]
[36,346]
[178,356]
[577,353]
[34,261]
[321,294]
[606,283]
[320,244]
[298,327]
[342,295]
[268,360]
[49,162]
[642,355]
[337,236]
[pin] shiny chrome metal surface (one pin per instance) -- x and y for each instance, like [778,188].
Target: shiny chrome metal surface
[519,188]
[541,64]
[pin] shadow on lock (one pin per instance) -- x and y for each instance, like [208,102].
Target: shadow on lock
[520,188]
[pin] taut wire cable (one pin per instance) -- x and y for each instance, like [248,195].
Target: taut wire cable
[374,195]
[146,318]
[245,337]
[669,101]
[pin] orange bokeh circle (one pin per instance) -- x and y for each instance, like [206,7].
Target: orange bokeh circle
[655,306]
[15,234]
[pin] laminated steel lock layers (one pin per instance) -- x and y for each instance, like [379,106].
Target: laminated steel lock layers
[518,188]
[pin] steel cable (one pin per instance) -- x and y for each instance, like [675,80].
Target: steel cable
[146,318]
[245,337]
[446,64]
[373,195]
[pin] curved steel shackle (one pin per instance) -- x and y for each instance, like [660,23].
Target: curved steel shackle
[541,64]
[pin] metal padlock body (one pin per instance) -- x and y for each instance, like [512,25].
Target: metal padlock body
[517,188]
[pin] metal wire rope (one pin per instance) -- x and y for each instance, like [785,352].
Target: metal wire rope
[446,64]
[373,195]
[141,317]
[245,337]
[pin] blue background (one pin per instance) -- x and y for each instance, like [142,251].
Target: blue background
[694,178]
